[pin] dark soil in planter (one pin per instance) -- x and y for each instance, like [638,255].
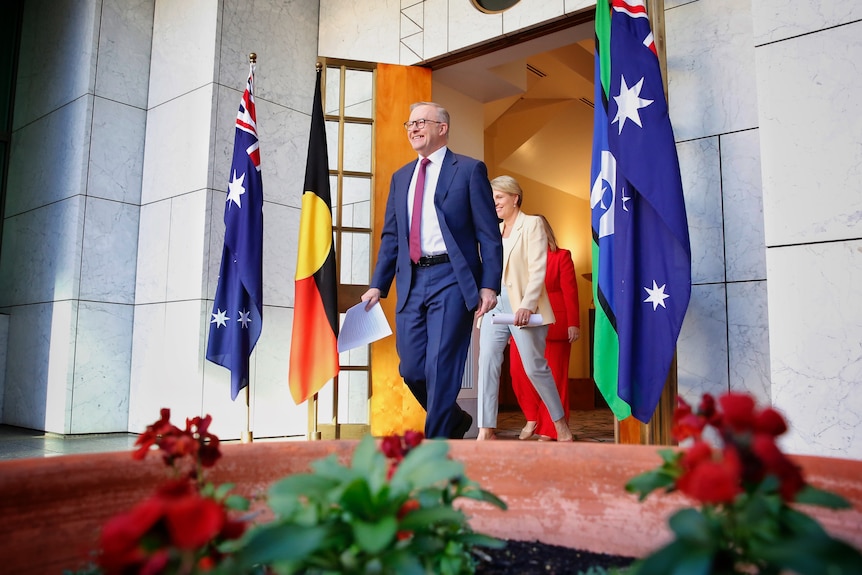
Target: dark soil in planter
[536,558]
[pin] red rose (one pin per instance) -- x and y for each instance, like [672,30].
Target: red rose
[413,438]
[738,411]
[771,422]
[391,447]
[193,521]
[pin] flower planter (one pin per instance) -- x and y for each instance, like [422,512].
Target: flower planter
[568,495]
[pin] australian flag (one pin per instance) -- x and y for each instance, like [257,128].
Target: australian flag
[237,315]
[651,257]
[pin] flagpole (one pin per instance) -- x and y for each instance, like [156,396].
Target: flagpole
[247,436]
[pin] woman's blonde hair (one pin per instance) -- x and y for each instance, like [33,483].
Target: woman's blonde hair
[508,185]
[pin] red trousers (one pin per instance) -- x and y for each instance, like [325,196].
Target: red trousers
[557,352]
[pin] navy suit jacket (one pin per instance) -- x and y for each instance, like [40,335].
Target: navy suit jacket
[465,209]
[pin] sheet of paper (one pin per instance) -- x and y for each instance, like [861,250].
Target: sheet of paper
[509,319]
[362,327]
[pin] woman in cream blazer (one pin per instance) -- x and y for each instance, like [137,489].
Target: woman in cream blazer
[522,294]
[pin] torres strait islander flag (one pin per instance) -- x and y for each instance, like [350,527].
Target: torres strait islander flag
[641,250]
[313,349]
[237,314]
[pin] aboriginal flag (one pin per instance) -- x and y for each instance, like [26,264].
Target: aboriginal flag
[313,350]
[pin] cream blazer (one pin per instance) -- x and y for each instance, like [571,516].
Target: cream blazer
[524,265]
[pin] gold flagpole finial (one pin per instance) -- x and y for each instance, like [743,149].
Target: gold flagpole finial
[318,66]
[252,58]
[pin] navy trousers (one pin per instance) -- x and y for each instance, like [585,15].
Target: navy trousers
[432,335]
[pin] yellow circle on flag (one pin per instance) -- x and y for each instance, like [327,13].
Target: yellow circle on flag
[315,235]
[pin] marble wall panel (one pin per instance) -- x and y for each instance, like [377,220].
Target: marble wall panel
[468,26]
[808,91]
[216,241]
[48,158]
[815,319]
[57,61]
[668,4]
[109,251]
[284,37]
[116,151]
[103,351]
[125,40]
[710,62]
[283,135]
[776,20]
[578,5]
[184,49]
[39,380]
[167,361]
[178,152]
[230,417]
[280,250]
[149,384]
[360,31]
[742,193]
[528,13]
[701,183]
[435,35]
[748,340]
[151,277]
[702,349]
[42,254]
[188,246]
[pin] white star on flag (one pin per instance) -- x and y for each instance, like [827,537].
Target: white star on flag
[628,103]
[625,199]
[219,318]
[656,296]
[236,190]
[244,319]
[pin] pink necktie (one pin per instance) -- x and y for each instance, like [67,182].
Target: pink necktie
[415,220]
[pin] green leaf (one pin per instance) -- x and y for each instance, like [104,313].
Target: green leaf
[279,542]
[422,518]
[676,558]
[237,503]
[357,499]
[330,468]
[810,495]
[480,540]
[222,490]
[693,528]
[813,555]
[404,563]
[425,465]
[482,495]
[284,495]
[649,481]
[374,537]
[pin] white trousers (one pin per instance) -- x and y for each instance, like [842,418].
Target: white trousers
[531,345]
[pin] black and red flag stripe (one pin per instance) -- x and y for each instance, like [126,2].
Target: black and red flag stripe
[313,350]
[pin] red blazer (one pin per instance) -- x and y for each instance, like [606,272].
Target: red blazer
[562,286]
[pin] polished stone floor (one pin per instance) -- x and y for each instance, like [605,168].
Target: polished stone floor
[17,443]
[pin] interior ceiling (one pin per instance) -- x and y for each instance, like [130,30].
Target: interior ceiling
[538,104]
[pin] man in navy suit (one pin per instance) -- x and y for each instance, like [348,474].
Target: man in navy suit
[453,273]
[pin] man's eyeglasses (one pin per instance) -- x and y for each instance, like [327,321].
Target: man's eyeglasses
[420,123]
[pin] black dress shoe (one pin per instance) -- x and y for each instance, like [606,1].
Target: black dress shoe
[462,427]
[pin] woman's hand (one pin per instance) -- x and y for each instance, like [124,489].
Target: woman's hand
[522,316]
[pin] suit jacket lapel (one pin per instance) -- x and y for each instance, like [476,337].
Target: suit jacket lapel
[444,180]
[514,238]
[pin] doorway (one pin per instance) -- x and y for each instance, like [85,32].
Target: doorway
[526,108]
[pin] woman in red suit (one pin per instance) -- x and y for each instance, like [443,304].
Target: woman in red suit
[562,289]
